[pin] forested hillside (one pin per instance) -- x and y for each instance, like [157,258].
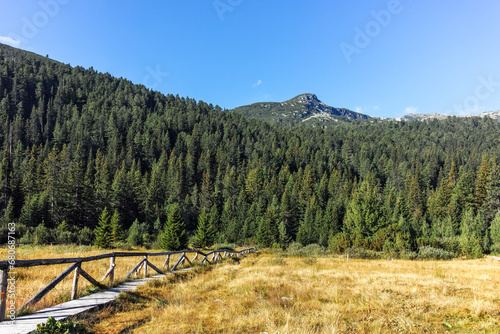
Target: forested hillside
[78,147]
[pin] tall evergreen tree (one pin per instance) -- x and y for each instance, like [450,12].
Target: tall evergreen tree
[491,205]
[495,231]
[104,230]
[174,234]
[204,233]
[483,175]
[116,227]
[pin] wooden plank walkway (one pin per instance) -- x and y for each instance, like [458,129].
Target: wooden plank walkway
[27,323]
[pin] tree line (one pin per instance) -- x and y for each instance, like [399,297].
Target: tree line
[86,156]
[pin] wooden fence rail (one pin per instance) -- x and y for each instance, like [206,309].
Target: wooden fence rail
[76,267]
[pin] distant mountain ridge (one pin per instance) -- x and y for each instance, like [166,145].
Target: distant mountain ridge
[302,108]
[308,109]
[424,117]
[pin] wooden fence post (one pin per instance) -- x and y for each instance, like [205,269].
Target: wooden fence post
[145,266]
[3,292]
[112,266]
[167,262]
[74,291]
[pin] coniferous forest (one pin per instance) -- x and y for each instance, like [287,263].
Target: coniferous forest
[89,158]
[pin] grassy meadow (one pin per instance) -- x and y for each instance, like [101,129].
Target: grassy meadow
[274,294]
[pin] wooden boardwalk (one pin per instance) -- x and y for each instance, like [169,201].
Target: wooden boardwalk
[27,323]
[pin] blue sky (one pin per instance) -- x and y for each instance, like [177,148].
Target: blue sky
[383,58]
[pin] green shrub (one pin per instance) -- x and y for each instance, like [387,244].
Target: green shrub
[138,234]
[55,327]
[63,233]
[228,247]
[361,253]
[451,244]
[294,249]
[41,235]
[278,246]
[495,249]
[406,254]
[313,250]
[85,236]
[338,243]
[431,253]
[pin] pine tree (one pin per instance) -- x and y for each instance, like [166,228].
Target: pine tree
[491,205]
[214,219]
[470,243]
[174,234]
[204,233]
[283,237]
[104,231]
[308,231]
[495,231]
[363,217]
[264,237]
[483,175]
[116,228]
[138,234]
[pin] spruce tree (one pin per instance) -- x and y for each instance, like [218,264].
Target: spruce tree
[470,243]
[116,228]
[483,175]
[204,233]
[495,231]
[264,237]
[491,205]
[174,233]
[104,231]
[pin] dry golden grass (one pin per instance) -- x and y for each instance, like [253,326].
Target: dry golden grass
[329,295]
[31,280]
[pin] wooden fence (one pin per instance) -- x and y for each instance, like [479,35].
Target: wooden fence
[76,267]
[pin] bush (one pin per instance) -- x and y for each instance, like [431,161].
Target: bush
[470,245]
[85,236]
[294,249]
[64,327]
[278,246]
[338,243]
[41,235]
[313,250]
[451,244]
[138,234]
[361,253]
[406,254]
[227,247]
[64,234]
[495,249]
[431,253]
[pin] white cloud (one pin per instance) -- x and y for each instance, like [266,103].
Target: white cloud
[258,83]
[410,110]
[358,110]
[10,41]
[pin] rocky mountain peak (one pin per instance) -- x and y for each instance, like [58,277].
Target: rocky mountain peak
[304,98]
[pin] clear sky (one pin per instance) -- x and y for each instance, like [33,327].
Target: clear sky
[382,58]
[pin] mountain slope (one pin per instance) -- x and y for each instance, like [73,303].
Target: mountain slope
[304,108]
